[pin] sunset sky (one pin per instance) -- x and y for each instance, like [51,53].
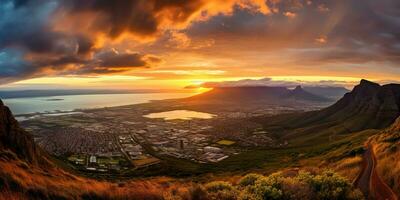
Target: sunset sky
[172,44]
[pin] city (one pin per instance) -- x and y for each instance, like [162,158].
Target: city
[112,139]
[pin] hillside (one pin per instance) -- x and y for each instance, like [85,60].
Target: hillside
[387,148]
[327,91]
[15,139]
[367,106]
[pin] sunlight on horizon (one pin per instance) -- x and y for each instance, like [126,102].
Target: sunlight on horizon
[138,82]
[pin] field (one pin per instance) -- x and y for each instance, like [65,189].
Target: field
[226,142]
[145,161]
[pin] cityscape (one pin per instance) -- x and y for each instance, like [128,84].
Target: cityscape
[103,140]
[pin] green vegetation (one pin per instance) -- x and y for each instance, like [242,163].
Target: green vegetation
[110,160]
[278,186]
[77,159]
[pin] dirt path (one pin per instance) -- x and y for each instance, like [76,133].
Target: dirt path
[369,182]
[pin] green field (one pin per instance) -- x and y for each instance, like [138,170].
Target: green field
[110,160]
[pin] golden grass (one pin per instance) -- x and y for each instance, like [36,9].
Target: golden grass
[57,183]
[387,148]
[145,161]
[348,167]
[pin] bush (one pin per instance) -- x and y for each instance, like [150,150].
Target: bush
[220,190]
[217,186]
[330,185]
[305,185]
[198,193]
[267,187]
[293,188]
[249,180]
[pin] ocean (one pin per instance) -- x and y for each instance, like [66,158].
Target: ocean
[69,103]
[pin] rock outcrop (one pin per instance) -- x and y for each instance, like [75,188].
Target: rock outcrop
[396,125]
[302,95]
[13,138]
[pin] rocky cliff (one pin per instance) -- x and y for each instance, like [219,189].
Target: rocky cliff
[15,139]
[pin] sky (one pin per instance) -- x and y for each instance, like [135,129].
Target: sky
[175,44]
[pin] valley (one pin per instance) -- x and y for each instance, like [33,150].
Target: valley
[125,144]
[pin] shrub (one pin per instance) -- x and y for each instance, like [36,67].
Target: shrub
[305,185]
[267,188]
[293,188]
[249,180]
[330,185]
[220,190]
[198,193]
[217,186]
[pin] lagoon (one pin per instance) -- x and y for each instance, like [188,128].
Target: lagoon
[180,114]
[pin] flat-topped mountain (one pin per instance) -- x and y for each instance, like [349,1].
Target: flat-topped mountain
[368,106]
[259,94]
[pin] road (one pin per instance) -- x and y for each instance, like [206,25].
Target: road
[369,181]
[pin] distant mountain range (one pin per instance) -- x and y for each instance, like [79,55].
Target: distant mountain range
[259,94]
[330,92]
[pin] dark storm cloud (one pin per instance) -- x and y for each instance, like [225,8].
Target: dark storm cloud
[104,62]
[29,44]
[25,25]
[142,17]
[109,62]
[14,68]
[11,65]
[114,59]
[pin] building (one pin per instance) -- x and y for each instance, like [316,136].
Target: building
[210,149]
[92,159]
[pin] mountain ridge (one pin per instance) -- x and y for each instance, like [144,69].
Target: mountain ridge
[250,94]
[368,106]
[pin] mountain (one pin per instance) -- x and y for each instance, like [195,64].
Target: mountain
[395,126]
[327,91]
[368,106]
[257,94]
[302,95]
[15,139]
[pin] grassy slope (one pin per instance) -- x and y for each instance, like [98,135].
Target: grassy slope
[387,149]
[20,180]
